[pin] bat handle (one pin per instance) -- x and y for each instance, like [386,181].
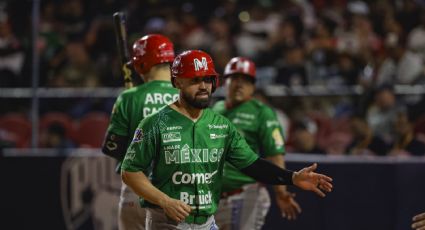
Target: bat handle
[128,83]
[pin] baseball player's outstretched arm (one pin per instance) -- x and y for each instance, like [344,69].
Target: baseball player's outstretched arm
[306,178]
[419,222]
[140,184]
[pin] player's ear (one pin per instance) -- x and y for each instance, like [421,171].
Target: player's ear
[178,83]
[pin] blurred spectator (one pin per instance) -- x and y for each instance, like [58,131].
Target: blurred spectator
[51,41]
[73,17]
[98,41]
[357,37]
[409,15]
[279,40]
[416,38]
[406,142]
[11,54]
[257,25]
[329,43]
[77,70]
[195,36]
[221,47]
[337,143]
[322,37]
[364,141]
[7,139]
[348,69]
[54,137]
[402,66]
[303,139]
[321,50]
[292,71]
[382,113]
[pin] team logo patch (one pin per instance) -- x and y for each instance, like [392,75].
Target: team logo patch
[138,135]
[140,48]
[278,139]
[171,137]
[200,64]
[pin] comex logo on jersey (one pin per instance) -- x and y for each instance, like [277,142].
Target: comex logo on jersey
[171,137]
[192,178]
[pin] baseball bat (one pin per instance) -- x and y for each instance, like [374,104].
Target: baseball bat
[124,55]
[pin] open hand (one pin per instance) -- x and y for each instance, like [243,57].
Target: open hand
[307,179]
[287,204]
[419,222]
[176,209]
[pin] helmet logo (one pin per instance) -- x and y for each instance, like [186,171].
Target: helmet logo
[140,48]
[243,65]
[200,64]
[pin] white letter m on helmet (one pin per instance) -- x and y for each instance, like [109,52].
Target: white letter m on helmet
[200,64]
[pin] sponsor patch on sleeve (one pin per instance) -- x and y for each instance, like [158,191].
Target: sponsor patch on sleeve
[278,139]
[138,135]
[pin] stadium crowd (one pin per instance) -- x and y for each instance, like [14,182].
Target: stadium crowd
[373,44]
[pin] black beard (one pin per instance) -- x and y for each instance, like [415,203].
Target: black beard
[198,104]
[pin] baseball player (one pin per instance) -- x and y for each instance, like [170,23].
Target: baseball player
[152,57]
[245,203]
[183,147]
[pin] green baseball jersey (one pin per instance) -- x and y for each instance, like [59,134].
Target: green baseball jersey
[185,159]
[136,103]
[258,124]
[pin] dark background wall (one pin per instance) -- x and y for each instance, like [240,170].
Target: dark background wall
[82,193]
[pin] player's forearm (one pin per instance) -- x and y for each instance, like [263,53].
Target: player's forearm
[268,173]
[141,185]
[279,161]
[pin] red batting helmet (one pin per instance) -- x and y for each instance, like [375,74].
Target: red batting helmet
[194,63]
[151,50]
[240,65]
